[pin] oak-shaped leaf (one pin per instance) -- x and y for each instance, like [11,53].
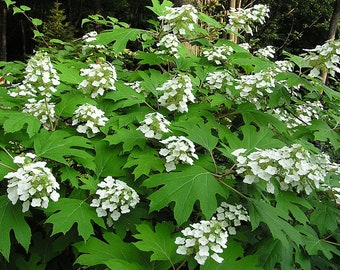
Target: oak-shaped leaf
[192,184]
[159,241]
[12,219]
[112,248]
[67,212]
[276,220]
[60,144]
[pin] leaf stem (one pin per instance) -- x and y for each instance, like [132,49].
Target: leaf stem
[182,264]
[330,242]
[233,189]
[8,167]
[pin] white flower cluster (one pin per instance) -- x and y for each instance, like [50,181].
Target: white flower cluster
[99,78]
[154,125]
[218,54]
[33,183]
[266,52]
[40,82]
[176,93]
[88,118]
[324,57]
[179,20]
[303,114]
[293,167]
[40,78]
[254,87]
[115,198]
[219,80]
[282,66]
[89,40]
[169,44]
[205,239]
[245,19]
[231,216]
[178,149]
[43,110]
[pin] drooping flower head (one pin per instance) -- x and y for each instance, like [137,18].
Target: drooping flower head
[33,183]
[88,118]
[178,150]
[41,109]
[114,198]
[292,167]
[177,92]
[154,125]
[179,20]
[246,19]
[41,78]
[205,239]
[98,79]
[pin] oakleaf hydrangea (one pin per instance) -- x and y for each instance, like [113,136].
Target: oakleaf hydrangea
[41,109]
[33,183]
[114,198]
[177,150]
[89,40]
[154,125]
[88,118]
[266,52]
[179,20]
[205,239]
[219,80]
[169,44]
[41,78]
[302,115]
[177,92]
[99,78]
[293,167]
[324,58]
[218,54]
[231,216]
[246,19]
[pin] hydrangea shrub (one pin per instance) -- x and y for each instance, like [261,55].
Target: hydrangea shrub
[186,152]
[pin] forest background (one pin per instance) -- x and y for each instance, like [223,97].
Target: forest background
[292,26]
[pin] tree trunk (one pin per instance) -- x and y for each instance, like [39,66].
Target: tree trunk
[234,4]
[3,31]
[333,25]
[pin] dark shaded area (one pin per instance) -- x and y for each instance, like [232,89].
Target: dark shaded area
[20,32]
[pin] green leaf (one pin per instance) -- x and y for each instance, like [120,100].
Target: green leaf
[198,133]
[251,115]
[68,173]
[12,219]
[96,251]
[159,242]
[70,211]
[313,244]
[37,22]
[233,259]
[252,139]
[209,20]
[130,137]
[325,217]
[271,252]
[289,202]
[323,132]
[9,3]
[16,121]
[120,36]
[59,144]
[117,264]
[276,220]
[184,188]
[108,160]
[158,8]
[68,73]
[25,8]
[145,161]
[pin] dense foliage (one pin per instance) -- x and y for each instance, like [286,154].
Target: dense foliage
[170,148]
